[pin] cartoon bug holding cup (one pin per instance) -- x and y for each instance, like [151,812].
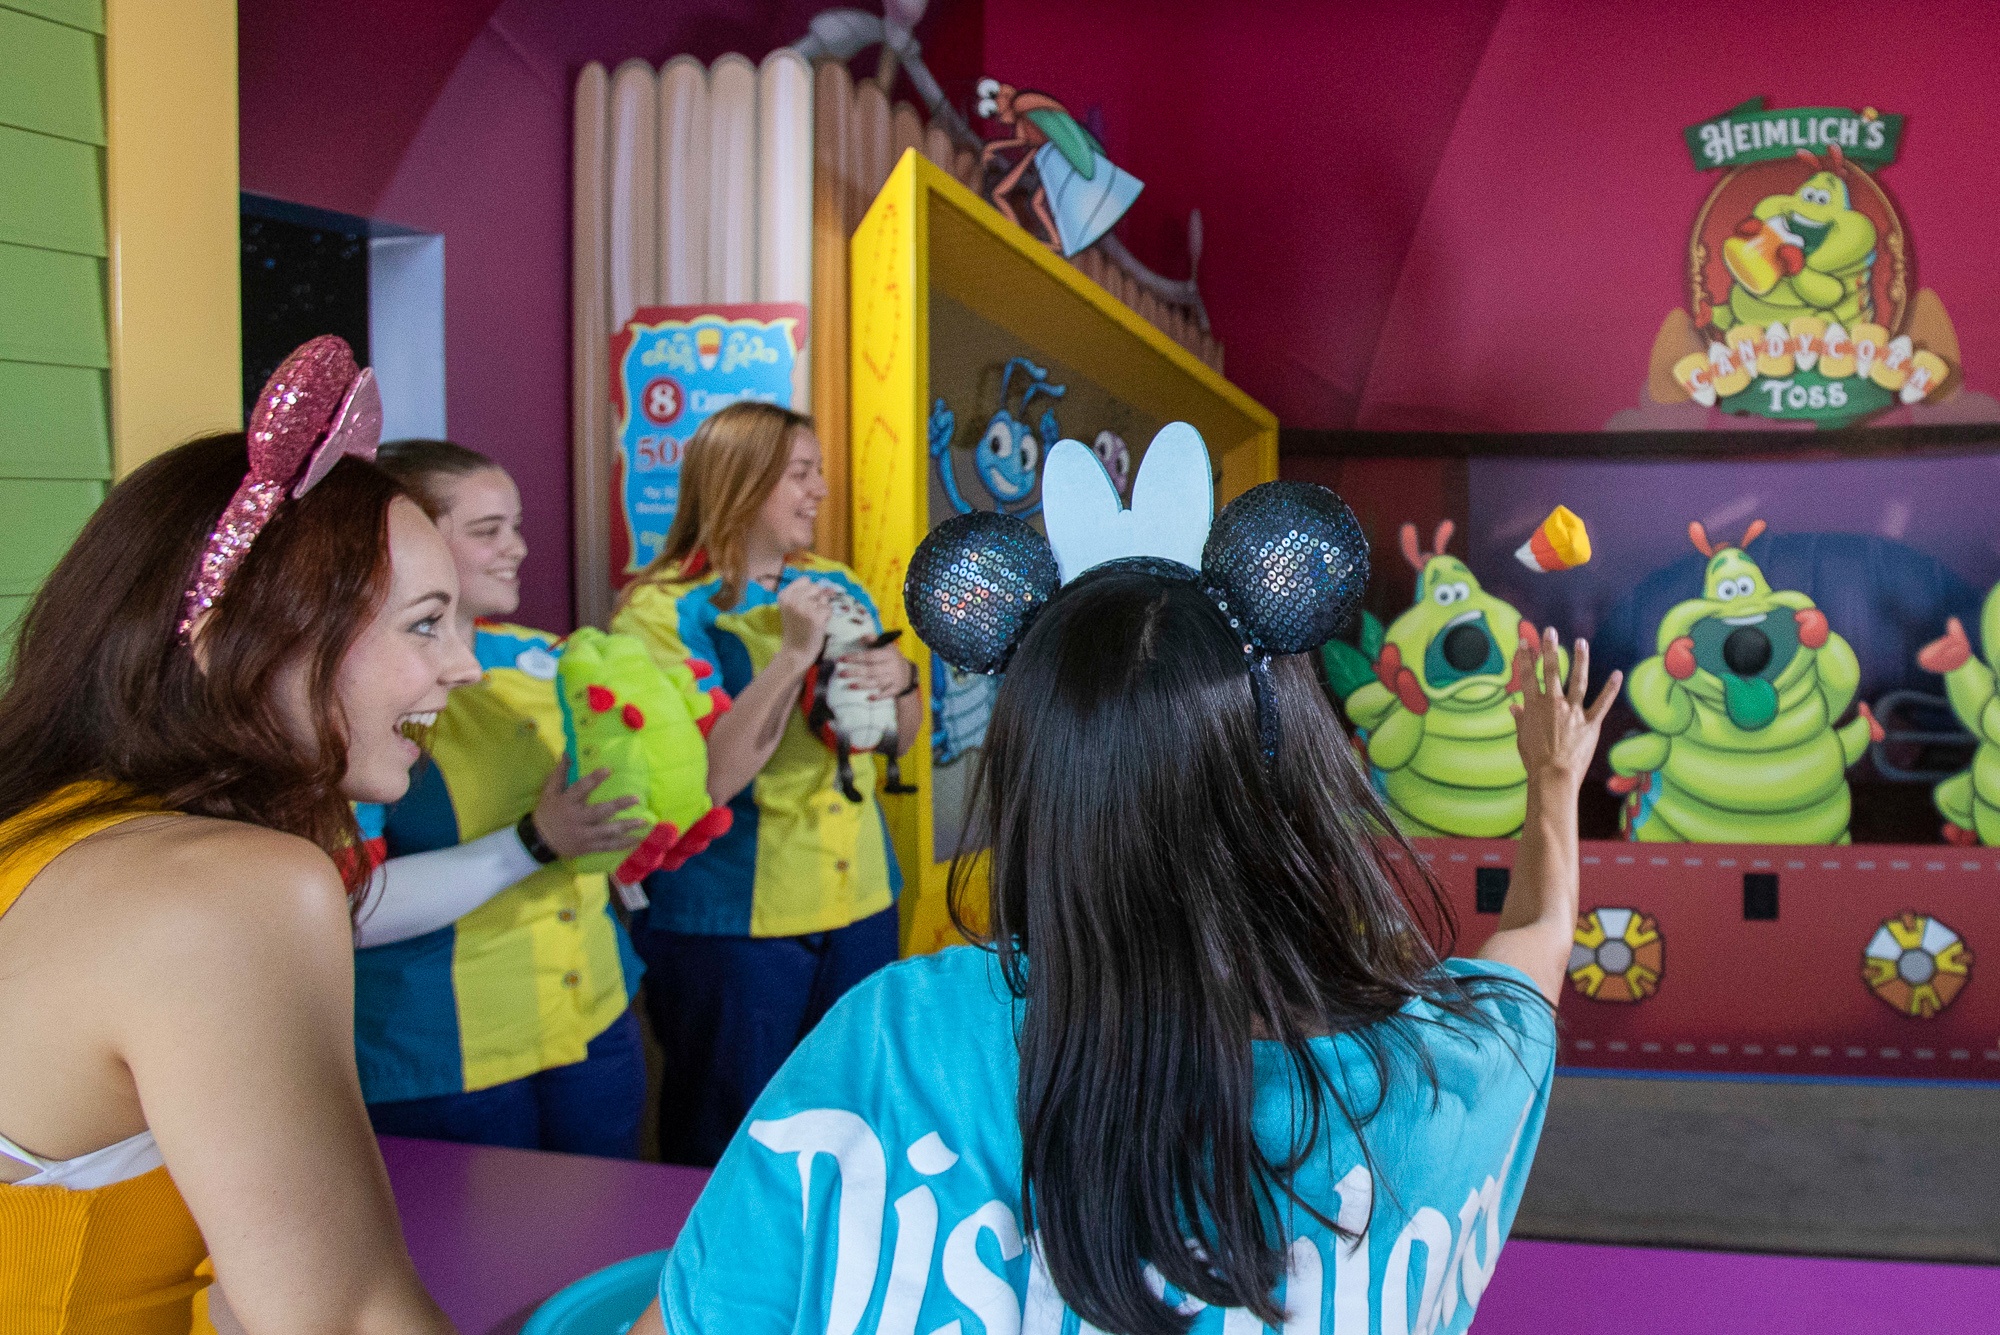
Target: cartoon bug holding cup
[1740,704]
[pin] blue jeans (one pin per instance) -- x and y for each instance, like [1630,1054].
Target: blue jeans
[728,1010]
[589,1107]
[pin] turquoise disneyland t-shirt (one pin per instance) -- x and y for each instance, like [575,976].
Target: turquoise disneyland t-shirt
[874,1186]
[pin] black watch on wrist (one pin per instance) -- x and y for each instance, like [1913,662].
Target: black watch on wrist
[531,839]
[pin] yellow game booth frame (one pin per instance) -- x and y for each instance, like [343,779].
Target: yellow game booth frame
[925,232]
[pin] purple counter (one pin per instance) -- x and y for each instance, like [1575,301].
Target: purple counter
[495,1232]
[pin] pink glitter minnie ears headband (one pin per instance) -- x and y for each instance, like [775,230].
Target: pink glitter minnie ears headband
[316,408]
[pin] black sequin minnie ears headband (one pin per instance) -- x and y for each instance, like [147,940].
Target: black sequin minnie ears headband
[1285,562]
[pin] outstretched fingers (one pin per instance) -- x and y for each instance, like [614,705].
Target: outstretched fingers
[1605,699]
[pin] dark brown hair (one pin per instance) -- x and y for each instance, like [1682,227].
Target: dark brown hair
[103,688]
[1162,896]
[418,464]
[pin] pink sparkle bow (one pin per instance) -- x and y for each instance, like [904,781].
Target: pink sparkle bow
[316,408]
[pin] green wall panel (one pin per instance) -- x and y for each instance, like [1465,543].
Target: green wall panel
[54,422]
[52,308]
[38,520]
[51,78]
[53,194]
[86,14]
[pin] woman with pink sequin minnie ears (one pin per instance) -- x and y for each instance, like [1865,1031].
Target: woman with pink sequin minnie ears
[229,655]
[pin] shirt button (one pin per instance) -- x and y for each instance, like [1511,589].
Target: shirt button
[841,865]
[565,915]
[833,810]
[572,978]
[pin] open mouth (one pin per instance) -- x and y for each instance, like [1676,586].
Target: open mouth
[1463,648]
[1746,654]
[1809,232]
[410,725]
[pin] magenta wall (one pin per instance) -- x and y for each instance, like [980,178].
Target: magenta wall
[1475,215]
[1471,214]
[453,116]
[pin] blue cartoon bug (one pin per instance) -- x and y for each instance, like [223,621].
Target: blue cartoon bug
[1008,455]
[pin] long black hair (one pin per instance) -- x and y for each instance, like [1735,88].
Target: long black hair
[1162,895]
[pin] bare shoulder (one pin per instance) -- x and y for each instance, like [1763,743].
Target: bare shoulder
[233,883]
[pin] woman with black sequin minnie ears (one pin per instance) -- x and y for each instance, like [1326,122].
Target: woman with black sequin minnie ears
[1214,1068]
[230,654]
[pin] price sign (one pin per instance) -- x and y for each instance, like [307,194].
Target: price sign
[672,368]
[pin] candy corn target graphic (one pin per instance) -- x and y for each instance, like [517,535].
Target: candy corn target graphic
[1916,964]
[1801,305]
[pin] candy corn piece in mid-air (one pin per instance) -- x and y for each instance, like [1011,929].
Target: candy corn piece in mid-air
[1560,543]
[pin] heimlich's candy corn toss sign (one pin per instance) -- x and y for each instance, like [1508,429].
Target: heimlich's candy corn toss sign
[1799,271]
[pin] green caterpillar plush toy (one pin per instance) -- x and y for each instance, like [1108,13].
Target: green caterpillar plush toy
[621,712]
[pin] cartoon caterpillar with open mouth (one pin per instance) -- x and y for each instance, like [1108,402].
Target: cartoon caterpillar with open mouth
[1741,702]
[1429,698]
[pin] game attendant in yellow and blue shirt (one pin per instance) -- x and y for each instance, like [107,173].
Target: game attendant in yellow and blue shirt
[751,942]
[493,984]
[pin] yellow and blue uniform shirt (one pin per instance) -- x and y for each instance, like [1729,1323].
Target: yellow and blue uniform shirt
[524,982]
[799,857]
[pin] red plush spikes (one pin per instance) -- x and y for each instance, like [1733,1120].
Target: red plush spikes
[1757,526]
[643,860]
[1699,535]
[633,718]
[701,669]
[601,699]
[723,705]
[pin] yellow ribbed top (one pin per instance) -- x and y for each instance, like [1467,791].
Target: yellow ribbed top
[116,1260]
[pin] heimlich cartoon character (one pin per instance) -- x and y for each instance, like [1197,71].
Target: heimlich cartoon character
[1434,722]
[1970,801]
[1741,701]
[1808,253]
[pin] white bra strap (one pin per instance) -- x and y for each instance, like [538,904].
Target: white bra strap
[15,1152]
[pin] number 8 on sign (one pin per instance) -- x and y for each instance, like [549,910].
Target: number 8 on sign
[663,400]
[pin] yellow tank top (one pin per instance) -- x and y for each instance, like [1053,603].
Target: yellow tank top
[116,1260]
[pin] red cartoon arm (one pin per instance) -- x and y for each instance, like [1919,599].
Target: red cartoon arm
[1679,659]
[1948,652]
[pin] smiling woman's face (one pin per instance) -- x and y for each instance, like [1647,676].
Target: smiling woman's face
[481,522]
[402,666]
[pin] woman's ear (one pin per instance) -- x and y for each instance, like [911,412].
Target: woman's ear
[198,639]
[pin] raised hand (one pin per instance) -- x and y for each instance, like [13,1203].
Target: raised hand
[1556,734]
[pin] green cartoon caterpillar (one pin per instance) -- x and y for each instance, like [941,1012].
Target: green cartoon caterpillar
[1970,802]
[1741,700]
[1429,700]
[1823,265]
[621,712]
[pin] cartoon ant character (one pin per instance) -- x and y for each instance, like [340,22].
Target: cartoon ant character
[1079,193]
[1009,453]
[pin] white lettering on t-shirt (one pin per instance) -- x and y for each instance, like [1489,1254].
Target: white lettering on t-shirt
[864,1177]
[991,1297]
[910,1267]
[1454,1263]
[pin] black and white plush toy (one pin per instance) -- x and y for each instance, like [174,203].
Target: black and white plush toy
[839,710]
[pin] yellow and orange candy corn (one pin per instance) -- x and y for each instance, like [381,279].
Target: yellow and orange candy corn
[1561,542]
